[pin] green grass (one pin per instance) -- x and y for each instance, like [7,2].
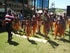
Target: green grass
[21,45]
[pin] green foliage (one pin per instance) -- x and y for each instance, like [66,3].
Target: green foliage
[60,10]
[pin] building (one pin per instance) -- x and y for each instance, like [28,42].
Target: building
[39,4]
[18,4]
[13,4]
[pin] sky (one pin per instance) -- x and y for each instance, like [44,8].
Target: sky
[59,3]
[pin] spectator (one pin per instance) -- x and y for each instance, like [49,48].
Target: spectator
[21,17]
[8,20]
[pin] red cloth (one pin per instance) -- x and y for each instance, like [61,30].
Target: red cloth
[8,18]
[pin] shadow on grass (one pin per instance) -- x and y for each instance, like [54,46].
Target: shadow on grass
[67,31]
[13,43]
[32,41]
[41,34]
[36,36]
[68,34]
[64,40]
[53,44]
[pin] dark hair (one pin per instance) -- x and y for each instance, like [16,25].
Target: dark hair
[9,12]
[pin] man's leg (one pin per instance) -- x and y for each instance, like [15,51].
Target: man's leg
[9,36]
[9,33]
